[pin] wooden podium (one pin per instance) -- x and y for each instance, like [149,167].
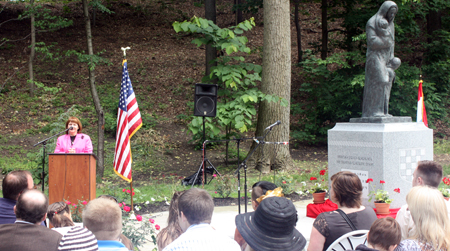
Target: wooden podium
[71,176]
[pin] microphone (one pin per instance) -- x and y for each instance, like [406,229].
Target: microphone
[272,125]
[70,128]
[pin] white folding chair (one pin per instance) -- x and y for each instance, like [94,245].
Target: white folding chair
[349,241]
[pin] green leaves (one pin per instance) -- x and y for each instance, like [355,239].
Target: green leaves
[236,78]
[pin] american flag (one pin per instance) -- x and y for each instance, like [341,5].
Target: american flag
[128,122]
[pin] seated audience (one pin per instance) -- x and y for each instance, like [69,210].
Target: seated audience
[195,207]
[26,234]
[271,226]
[384,235]
[173,230]
[14,183]
[122,238]
[427,173]
[429,212]
[346,192]
[259,189]
[74,237]
[104,219]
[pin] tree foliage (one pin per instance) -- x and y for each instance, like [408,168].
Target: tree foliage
[237,79]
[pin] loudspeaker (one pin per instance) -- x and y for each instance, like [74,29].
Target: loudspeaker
[205,100]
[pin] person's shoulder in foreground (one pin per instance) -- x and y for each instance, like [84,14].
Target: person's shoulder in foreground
[203,237]
[26,234]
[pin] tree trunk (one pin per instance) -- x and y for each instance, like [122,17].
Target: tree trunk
[98,107]
[210,53]
[239,17]
[276,80]
[299,32]
[324,30]
[433,24]
[32,52]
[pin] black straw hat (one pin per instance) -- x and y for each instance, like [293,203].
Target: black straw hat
[271,226]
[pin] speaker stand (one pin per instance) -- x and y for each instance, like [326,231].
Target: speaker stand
[202,165]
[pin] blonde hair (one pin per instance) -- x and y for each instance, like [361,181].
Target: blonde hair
[103,218]
[430,216]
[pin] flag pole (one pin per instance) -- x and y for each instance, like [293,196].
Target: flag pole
[131,189]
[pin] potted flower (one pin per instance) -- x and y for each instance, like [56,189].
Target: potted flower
[445,191]
[382,200]
[319,188]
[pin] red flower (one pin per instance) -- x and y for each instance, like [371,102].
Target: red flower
[446,181]
[128,191]
[120,204]
[382,182]
[74,205]
[313,178]
[124,190]
[215,192]
[84,202]
[284,182]
[151,221]
[133,193]
[126,208]
[322,172]
[157,227]
[397,190]
[369,180]
[68,203]
[123,203]
[138,217]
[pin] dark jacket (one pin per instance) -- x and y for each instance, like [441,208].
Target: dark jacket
[28,237]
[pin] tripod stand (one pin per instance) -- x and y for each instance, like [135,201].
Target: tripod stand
[210,169]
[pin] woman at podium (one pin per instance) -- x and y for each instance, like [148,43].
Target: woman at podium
[74,141]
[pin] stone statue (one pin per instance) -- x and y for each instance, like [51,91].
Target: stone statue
[380,62]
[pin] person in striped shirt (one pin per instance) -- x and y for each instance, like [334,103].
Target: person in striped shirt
[74,237]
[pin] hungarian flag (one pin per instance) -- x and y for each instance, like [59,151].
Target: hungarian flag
[128,122]
[421,112]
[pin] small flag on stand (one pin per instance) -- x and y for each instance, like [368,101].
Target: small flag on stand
[128,122]
[421,112]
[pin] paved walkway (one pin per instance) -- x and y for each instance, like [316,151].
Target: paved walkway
[223,220]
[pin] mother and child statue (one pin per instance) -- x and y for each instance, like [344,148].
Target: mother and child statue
[380,63]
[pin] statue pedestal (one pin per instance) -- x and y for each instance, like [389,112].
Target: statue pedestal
[381,151]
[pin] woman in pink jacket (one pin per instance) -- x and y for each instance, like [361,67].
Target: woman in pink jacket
[74,141]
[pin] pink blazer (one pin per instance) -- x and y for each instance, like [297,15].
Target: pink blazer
[82,144]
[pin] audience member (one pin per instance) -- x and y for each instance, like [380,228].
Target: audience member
[195,207]
[104,219]
[14,183]
[346,191]
[271,226]
[259,189]
[384,235]
[26,234]
[427,173]
[429,213]
[74,237]
[173,230]
[122,238]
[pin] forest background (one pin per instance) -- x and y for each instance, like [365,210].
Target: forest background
[327,79]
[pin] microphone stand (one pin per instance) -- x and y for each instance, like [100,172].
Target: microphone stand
[244,164]
[44,143]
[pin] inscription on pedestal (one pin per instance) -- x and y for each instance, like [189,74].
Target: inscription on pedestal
[354,160]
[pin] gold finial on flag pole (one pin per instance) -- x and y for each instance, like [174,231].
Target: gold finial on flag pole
[124,49]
